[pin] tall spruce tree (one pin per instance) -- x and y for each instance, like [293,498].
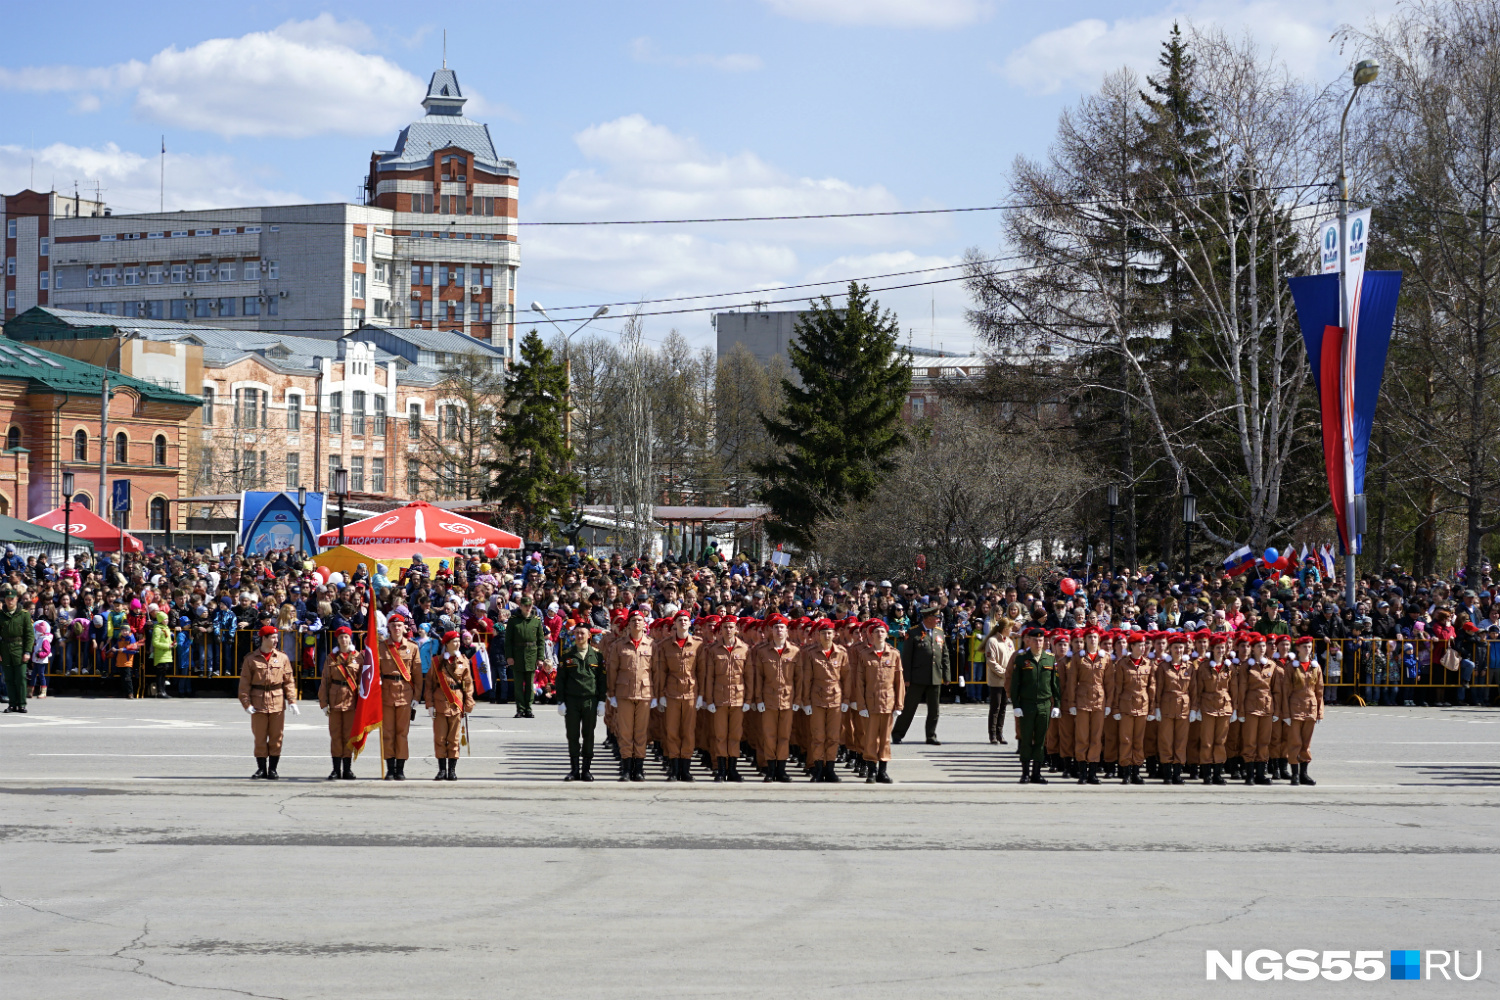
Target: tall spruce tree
[530,473]
[837,431]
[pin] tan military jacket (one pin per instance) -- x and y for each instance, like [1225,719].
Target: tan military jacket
[267,682]
[340,682]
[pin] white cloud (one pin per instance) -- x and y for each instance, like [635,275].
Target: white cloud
[644,50]
[130,181]
[640,169]
[887,13]
[1079,55]
[303,78]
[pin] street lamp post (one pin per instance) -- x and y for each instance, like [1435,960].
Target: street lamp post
[341,490]
[67,485]
[1112,498]
[1189,518]
[1365,72]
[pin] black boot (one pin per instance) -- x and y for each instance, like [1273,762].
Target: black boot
[390,769]
[671,769]
[1282,769]
[781,775]
[1036,773]
[627,768]
[817,771]
[1260,773]
[870,774]
[831,774]
[442,774]
[638,769]
[1177,774]
[1025,773]
[1302,773]
[1248,770]
[1135,775]
[1208,772]
[734,770]
[1296,777]
[1218,777]
[1083,773]
[685,769]
[348,774]
[260,768]
[721,770]
[271,763]
[452,768]
[573,774]
[770,774]
[1093,776]
[1124,775]
[337,771]
[588,762]
[400,768]
[881,777]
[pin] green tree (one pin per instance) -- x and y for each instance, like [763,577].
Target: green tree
[531,474]
[840,429]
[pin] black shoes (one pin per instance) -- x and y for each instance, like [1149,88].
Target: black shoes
[1302,773]
[400,768]
[348,774]
[1260,773]
[452,768]
[271,763]
[260,768]
[933,741]
[337,771]
[880,776]
[390,769]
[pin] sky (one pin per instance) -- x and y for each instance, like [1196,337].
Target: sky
[616,111]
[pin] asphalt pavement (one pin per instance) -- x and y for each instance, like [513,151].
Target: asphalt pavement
[137,860]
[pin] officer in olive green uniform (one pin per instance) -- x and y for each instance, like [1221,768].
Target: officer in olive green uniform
[925,675]
[16,641]
[525,644]
[580,686]
[1036,694]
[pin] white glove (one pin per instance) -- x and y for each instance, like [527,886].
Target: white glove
[700,701]
[600,711]
[1106,710]
[295,709]
[713,709]
[653,702]
[760,706]
[745,707]
[1073,711]
[865,712]
[1275,718]
[844,707]
[1056,713]
[613,703]
[1117,716]
[326,712]
[431,712]
[796,708]
[1287,721]
[250,709]
[807,710]
[661,706]
[562,709]
[1018,712]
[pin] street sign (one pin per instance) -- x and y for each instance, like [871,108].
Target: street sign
[120,495]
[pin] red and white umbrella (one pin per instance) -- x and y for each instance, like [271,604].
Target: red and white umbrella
[84,523]
[419,521]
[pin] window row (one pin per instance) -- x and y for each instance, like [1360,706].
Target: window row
[226,307]
[451,312]
[357,473]
[173,274]
[453,274]
[121,449]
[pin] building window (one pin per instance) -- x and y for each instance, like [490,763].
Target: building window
[359,249]
[458,274]
[10,298]
[203,308]
[449,484]
[380,309]
[421,274]
[357,316]
[208,407]
[442,274]
[271,306]
[226,270]
[293,470]
[80,446]
[226,307]
[357,399]
[451,311]
[122,449]
[179,309]
[132,276]
[475,312]
[413,479]
[450,422]
[379,416]
[202,271]
[252,270]
[179,274]
[44,246]
[335,413]
[293,412]
[154,274]
[10,267]
[13,438]
[42,279]
[159,449]
[334,462]
[158,514]
[273,269]
[156,309]
[252,305]
[380,278]
[357,474]
[486,314]
[414,422]
[377,475]
[10,229]
[359,285]
[918,407]
[248,475]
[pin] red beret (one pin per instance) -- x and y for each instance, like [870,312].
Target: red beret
[268,630]
[341,630]
[778,619]
[1309,640]
[449,635]
[822,624]
[683,613]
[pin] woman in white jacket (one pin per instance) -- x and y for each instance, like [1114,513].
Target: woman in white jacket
[999,650]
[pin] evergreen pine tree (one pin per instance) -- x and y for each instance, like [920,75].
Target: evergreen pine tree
[837,431]
[530,474]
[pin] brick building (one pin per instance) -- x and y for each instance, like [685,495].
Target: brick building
[50,405]
[436,247]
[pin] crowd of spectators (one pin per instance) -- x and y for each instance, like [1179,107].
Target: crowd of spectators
[166,624]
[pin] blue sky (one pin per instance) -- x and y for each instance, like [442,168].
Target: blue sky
[614,111]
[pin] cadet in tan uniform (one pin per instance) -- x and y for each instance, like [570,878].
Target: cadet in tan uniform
[1063,647]
[774,669]
[627,668]
[399,657]
[822,679]
[1258,709]
[268,684]
[1213,705]
[449,694]
[336,698]
[1301,707]
[1109,756]
[1132,700]
[724,665]
[880,692]
[1174,692]
[672,679]
[1084,696]
[1276,761]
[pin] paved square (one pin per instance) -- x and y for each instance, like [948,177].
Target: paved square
[138,862]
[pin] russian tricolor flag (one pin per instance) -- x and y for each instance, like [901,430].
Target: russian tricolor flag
[483,682]
[1239,560]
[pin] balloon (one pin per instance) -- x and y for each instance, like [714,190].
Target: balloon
[1282,564]
[321,573]
[491,550]
[335,578]
[1068,585]
[1271,556]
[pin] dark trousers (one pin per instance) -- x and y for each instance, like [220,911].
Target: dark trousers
[579,723]
[917,694]
[524,680]
[1033,740]
[15,681]
[998,700]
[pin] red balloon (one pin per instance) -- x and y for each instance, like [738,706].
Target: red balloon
[323,572]
[1068,585]
[491,550]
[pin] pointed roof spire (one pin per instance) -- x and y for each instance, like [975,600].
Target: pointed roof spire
[443,94]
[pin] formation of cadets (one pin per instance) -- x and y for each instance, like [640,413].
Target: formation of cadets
[822,694]
[1210,706]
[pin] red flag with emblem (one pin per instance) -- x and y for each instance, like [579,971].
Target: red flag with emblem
[368,706]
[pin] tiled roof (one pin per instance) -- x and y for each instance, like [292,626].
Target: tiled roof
[45,370]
